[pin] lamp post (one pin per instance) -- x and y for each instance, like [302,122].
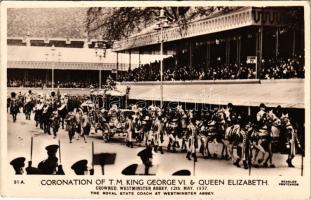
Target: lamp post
[47,73]
[53,65]
[161,25]
[100,51]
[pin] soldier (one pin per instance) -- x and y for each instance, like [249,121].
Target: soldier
[38,113]
[78,117]
[130,130]
[261,112]
[158,134]
[172,134]
[18,165]
[55,123]
[193,134]
[46,115]
[70,125]
[80,168]
[146,130]
[86,125]
[292,139]
[50,165]
[264,135]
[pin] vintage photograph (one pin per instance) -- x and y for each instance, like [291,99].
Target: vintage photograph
[156,91]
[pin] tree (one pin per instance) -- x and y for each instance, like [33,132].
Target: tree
[118,23]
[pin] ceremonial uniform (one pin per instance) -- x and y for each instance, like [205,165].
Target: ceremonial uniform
[71,126]
[130,129]
[80,168]
[191,146]
[86,125]
[158,135]
[50,165]
[18,164]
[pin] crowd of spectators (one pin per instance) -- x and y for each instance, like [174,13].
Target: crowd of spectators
[43,83]
[271,69]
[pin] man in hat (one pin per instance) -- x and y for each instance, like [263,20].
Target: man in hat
[80,168]
[50,165]
[18,165]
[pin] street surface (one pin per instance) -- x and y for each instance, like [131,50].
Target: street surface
[19,140]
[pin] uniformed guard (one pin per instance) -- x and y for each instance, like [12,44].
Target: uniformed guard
[50,165]
[129,131]
[80,168]
[86,125]
[158,134]
[191,146]
[55,123]
[292,139]
[18,165]
[70,125]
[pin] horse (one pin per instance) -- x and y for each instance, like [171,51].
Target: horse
[14,109]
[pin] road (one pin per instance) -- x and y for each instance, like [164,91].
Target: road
[20,132]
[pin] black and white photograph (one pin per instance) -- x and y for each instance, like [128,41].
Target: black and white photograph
[162,91]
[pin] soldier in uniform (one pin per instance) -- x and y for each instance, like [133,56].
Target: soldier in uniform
[263,134]
[46,115]
[18,165]
[292,139]
[130,130]
[80,168]
[50,165]
[38,113]
[55,123]
[193,134]
[158,134]
[71,125]
[86,125]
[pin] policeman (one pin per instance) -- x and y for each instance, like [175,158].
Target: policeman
[50,165]
[18,165]
[80,168]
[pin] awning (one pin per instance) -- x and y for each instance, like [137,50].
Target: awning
[287,93]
